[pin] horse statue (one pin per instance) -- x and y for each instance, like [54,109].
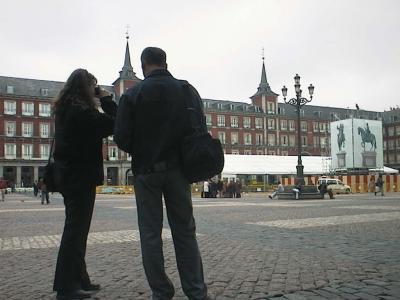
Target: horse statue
[340,137]
[367,137]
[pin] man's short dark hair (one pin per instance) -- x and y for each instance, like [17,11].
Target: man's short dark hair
[154,56]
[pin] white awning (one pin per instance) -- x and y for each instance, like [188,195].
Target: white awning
[274,164]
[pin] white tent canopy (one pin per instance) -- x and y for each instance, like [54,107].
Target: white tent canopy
[280,165]
[273,164]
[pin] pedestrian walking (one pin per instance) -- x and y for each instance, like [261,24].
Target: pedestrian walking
[150,126]
[324,189]
[279,189]
[238,188]
[79,131]
[35,189]
[206,189]
[220,187]
[379,185]
[44,193]
[3,189]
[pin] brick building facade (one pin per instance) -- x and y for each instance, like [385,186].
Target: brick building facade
[264,127]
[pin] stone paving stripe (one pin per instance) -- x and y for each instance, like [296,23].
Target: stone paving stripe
[32,209]
[53,241]
[372,207]
[330,221]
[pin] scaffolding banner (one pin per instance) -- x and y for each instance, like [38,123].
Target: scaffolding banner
[356,143]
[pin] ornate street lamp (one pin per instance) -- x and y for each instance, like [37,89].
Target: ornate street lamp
[298,103]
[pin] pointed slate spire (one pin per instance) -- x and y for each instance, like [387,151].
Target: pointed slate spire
[127,70]
[263,88]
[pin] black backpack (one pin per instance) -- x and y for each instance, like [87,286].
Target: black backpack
[202,156]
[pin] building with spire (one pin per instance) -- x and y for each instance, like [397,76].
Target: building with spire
[127,77]
[262,127]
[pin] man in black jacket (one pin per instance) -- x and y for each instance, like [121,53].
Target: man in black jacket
[151,122]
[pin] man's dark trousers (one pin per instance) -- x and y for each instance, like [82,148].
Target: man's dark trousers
[149,189]
[71,273]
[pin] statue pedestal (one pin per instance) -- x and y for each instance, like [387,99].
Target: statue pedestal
[341,158]
[369,159]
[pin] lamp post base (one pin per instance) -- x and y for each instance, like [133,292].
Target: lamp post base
[300,175]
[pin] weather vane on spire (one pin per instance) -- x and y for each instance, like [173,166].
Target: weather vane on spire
[127,32]
[262,53]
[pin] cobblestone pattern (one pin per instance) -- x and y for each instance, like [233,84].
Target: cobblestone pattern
[241,261]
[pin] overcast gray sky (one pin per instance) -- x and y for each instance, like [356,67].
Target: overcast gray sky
[348,49]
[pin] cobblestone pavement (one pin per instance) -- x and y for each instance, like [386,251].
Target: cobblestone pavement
[252,248]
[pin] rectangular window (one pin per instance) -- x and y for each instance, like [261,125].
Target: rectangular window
[27,129]
[323,142]
[44,110]
[259,139]
[221,137]
[284,140]
[10,107]
[304,126]
[234,138]
[292,140]
[221,121]
[234,122]
[322,127]
[208,120]
[112,152]
[391,158]
[328,127]
[384,145]
[44,151]
[27,109]
[398,144]
[10,151]
[271,107]
[246,122]
[316,141]
[283,124]
[10,128]
[315,126]
[391,131]
[391,144]
[271,123]
[291,125]
[398,157]
[247,138]
[44,92]
[271,139]
[259,123]
[304,141]
[10,89]
[397,130]
[27,151]
[44,130]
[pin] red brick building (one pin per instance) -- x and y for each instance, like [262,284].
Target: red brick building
[263,127]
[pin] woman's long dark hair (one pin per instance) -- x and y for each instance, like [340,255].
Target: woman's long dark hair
[76,91]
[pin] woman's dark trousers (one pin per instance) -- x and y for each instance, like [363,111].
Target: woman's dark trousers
[71,271]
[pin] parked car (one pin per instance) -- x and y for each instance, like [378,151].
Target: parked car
[336,185]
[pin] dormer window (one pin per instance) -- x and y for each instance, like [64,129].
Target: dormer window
[44,92]
[10,89]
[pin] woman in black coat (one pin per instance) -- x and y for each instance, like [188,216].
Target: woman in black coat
[79,132]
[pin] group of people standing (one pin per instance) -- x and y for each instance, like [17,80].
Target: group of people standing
[222,189]
[150,122]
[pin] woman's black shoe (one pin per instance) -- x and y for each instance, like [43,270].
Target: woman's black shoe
[73,295]
[91,287]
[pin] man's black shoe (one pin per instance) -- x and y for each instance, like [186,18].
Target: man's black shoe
[73,295]
[91,287]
